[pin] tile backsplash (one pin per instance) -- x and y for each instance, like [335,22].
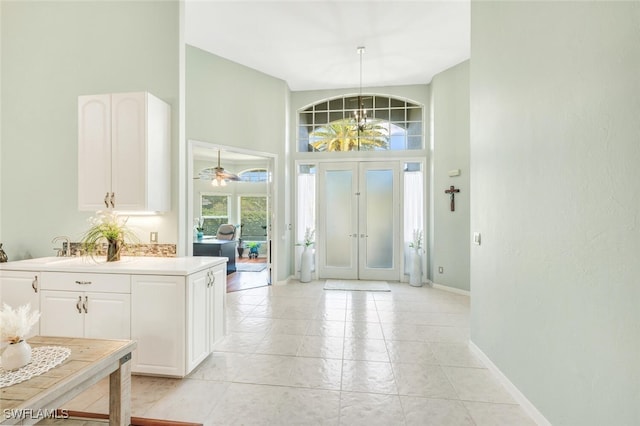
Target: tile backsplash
[149,250]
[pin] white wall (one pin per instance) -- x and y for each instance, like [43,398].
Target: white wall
[449,151]
[53,51]
[555,148]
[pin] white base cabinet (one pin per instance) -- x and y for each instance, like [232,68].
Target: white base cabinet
[175,319]
[18,288]
[69,309]
[158,324]
[206,293]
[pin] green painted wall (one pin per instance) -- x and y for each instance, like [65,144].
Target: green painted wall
[232,105]
[555,146]
[53,51]
[450,150]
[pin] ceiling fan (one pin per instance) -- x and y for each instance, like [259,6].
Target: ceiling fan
[217,175]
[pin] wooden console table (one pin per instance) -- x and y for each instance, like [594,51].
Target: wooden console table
[90,361]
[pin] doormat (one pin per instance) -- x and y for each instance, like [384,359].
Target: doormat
[356,285]
[250,267]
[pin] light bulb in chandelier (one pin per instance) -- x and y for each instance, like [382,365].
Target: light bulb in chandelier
[360,117]
[218,182]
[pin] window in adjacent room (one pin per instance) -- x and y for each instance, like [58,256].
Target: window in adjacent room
[214,210]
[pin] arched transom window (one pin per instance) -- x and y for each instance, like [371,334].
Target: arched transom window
[392,124]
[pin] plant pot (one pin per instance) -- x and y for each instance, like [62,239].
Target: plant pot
[306,261]
[415,276]
[16,355]
[113,251]
[199,235]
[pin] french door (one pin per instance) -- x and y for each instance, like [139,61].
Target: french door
[359,220]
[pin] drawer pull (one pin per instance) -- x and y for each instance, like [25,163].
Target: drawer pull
[85,305]
[34,284]
[78,304]
[83,282]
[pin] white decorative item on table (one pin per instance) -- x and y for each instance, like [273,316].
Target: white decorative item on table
[43,359]
[14,327]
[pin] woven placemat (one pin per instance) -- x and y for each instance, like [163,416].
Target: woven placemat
[43,359]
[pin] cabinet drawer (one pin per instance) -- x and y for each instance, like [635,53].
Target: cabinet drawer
[107,283]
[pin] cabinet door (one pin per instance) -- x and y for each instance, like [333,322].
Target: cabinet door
[107,315]
[61,313]
[19,288]
[128,150]
[218,300]
[94,151]
[158,324]
[199,322]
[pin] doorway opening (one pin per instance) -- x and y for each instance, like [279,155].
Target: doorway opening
[234,209]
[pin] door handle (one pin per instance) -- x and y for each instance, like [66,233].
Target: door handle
[113,200]
[34,284]
[85,305]
[106,200]
[78,304]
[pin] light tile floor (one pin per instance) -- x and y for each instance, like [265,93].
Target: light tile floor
[296,354]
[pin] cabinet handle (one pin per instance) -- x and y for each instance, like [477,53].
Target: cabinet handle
[34,284]
[113,200]
[78,304]
[106,200]
[85,305]
[83,282]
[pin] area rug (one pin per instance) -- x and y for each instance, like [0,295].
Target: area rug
[356,285]
[250,267]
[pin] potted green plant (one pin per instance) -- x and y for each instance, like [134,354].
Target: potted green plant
[107,227]
[253,249]
[200,229]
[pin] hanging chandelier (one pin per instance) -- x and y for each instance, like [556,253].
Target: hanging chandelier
[360,114]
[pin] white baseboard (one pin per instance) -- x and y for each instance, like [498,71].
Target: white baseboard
[451,289]
[526,405]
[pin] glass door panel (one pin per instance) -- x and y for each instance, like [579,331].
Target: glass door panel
[337,221]
[379,223]
[358,224]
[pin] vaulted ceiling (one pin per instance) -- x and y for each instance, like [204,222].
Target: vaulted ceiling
[312,45]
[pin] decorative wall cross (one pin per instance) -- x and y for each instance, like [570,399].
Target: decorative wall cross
[452,191]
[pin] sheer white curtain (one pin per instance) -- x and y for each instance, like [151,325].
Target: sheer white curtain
[306,211]
[413,213]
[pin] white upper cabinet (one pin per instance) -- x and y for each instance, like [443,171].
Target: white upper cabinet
[124,152]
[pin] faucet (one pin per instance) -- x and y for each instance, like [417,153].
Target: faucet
[67,250]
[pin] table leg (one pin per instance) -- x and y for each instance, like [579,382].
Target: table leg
[120,394]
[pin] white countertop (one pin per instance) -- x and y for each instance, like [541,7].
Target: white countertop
[126,265]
